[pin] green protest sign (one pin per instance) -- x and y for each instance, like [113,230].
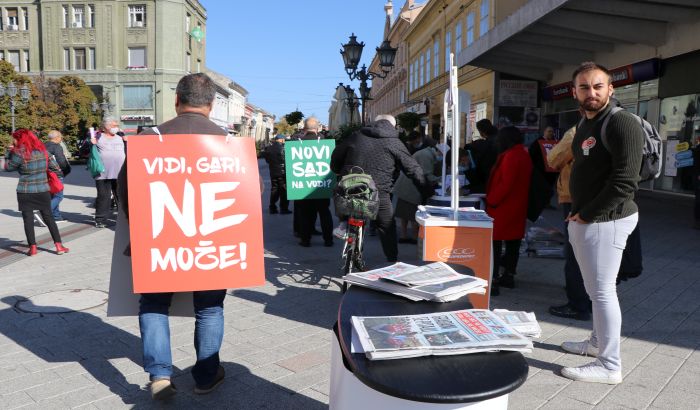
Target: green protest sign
[308,168]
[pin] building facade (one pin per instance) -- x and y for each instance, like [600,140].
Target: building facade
[390,94]
[651,49]
[128,52]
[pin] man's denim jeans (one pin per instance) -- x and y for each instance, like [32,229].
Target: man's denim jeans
[208,334]
[55,202]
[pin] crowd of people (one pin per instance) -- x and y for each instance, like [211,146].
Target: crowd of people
[595,184]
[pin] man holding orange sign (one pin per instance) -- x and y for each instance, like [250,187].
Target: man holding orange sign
[191,229]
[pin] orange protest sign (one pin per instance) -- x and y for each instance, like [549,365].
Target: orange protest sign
[467,246]
[194,213]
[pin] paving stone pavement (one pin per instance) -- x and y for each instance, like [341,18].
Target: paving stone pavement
[276,347]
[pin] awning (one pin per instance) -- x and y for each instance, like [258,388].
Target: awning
[544,35]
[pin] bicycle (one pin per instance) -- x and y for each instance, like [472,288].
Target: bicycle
[352,249]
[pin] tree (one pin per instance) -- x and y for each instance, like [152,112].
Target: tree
[283,127]
[294,118]
[408,121]
[64,104]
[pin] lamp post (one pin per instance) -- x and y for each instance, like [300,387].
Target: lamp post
[351,100]
[11,91]
[352,52]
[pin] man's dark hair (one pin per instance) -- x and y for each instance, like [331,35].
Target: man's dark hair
[196,90]
[413,136]
[509,136]
[588,66]
[486,128]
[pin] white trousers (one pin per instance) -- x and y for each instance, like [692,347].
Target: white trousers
[598,249]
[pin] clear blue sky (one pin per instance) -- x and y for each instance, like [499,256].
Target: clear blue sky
[286,53]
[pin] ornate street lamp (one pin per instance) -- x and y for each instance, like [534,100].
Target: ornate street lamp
[351,100]
[352,52]
[11,91]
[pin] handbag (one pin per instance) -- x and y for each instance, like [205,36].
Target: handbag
[94,162]
[55,184]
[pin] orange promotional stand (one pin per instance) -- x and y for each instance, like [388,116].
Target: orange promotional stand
[463,242]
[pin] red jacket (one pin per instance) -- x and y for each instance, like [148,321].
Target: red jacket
[507,193]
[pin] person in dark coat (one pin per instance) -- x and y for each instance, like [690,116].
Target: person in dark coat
[483,154]
[274,156]
[538,154]
[54,148]
[506,202]
[377,150]
[308,209]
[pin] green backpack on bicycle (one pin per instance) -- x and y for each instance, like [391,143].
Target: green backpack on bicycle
[356,196]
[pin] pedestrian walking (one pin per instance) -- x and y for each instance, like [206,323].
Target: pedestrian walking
[309,209]
[29,157]
[407,196]
[274,156]
[54,146]
[110,147]
[193,102]
[483,153]
[578,305]
[603,180]
[378,151]
[506,202]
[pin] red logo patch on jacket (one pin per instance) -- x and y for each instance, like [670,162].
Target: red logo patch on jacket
[588,143]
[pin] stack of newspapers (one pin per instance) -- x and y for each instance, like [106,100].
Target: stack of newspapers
[436,282]
[524,323]
[448,333]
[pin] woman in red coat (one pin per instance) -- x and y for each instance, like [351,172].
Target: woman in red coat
[506,202]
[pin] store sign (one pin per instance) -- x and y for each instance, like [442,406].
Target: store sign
[137,118]
[517,93]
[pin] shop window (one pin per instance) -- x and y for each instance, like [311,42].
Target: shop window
[137,97]
[679,126]
[137,15]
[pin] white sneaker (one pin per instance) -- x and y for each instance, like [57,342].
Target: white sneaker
[60,221]
[38,220]
[340,232]
[593,372]
[584,348]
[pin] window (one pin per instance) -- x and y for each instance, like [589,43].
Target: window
[79,59]
[470,28]
[66,59]
[436,57]
[25,17]
[2,55]
[137,16]
[91,16]
[199,65]
[12,20]
[188,62]
[448,49]
[410,77]
[427,65]
[14,59]
[421,71]
[91,59]
[458,38]
[484,18]
[65,17]
[137,97]
[78,16]
[137,57]
[188,20]
[26,60]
